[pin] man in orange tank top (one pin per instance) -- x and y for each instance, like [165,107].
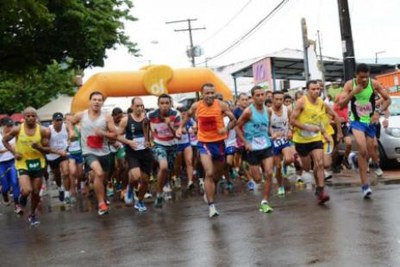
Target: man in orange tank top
[211,134]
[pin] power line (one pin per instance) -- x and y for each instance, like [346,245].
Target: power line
[227,24]
[251,31]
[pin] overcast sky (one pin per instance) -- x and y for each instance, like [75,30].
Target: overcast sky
[375,26]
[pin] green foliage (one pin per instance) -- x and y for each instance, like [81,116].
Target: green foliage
[33,33]
[34,88]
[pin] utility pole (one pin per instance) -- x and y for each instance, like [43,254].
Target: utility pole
[349,62]
[189,29]
[321,63]
[306,44]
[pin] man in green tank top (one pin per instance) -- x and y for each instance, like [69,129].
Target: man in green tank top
[361,93]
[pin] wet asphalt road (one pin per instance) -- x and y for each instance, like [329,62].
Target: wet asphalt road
[348,231]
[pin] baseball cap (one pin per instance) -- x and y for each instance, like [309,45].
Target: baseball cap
[58,116]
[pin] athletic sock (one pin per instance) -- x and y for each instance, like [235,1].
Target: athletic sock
[264,202]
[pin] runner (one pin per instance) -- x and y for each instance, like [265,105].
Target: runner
[287,101]
[184,157]
[281,133]
[31,143]
[240,155]
[118,169]
[309,131]
[8,172]
[211,135]
[75,158]
[163,124]
[138,154]
[361,93]
[344,120]
[58,158]
[257,142]
[96,127]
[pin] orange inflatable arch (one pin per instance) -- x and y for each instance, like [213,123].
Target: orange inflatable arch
[151,80]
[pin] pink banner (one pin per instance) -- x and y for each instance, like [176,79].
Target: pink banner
[262,73]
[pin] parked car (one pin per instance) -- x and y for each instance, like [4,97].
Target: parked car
[389,142]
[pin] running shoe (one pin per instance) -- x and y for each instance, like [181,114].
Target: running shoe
[378,172]
[352,161]
[201,184]
[6,200]
[328,175]
[323,197]
[110,191]
[178,183]
[129,197]
[158,203]
[346,163]
[118,187]
[139,205]
[251,185]
[103,209]
[299,179]
[18,210]
[281,191]
[23,200]
[265,208]
[367,192]
[33,220]
[61,195]
[190,185]
[212,211]
[148,195]
[67,200]
[229,186]
[167,188]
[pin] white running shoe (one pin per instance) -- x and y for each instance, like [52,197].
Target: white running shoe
[212,211]
[378,171]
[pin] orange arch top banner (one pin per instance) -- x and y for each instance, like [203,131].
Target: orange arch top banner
[150,80]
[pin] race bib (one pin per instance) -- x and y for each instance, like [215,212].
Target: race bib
[163,131]
[95,141]
[259,143]
[280,142]
[75,146]
[33,165]
[363,109]
[308,134]
[140,143]
[208,124]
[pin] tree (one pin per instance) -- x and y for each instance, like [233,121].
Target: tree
[35,88]
[33,33]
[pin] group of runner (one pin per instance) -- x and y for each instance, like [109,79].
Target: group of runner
[249,139]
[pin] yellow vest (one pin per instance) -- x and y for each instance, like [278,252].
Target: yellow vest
[32,159]
[312,114]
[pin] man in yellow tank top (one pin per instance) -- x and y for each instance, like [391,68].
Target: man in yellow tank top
[211,135]
[31,145]
[307,119]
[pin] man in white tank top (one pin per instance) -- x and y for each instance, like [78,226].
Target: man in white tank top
[281,133]
[96,127]
[58,158]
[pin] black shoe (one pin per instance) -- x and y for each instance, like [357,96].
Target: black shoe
[346,163]
[61,196]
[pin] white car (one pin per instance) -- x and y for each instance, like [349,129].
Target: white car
[389,142]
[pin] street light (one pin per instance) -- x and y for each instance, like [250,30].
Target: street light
[376,55]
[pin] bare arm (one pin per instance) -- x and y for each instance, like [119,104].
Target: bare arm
[227,111]
[336,118]
[383,93]
[75,120]
[43,147]
[348,93]
[186,118]
[7,138]
[245,117]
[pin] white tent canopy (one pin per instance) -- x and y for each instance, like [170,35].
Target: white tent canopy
[61,104]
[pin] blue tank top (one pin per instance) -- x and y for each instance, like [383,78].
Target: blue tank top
[256,129]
